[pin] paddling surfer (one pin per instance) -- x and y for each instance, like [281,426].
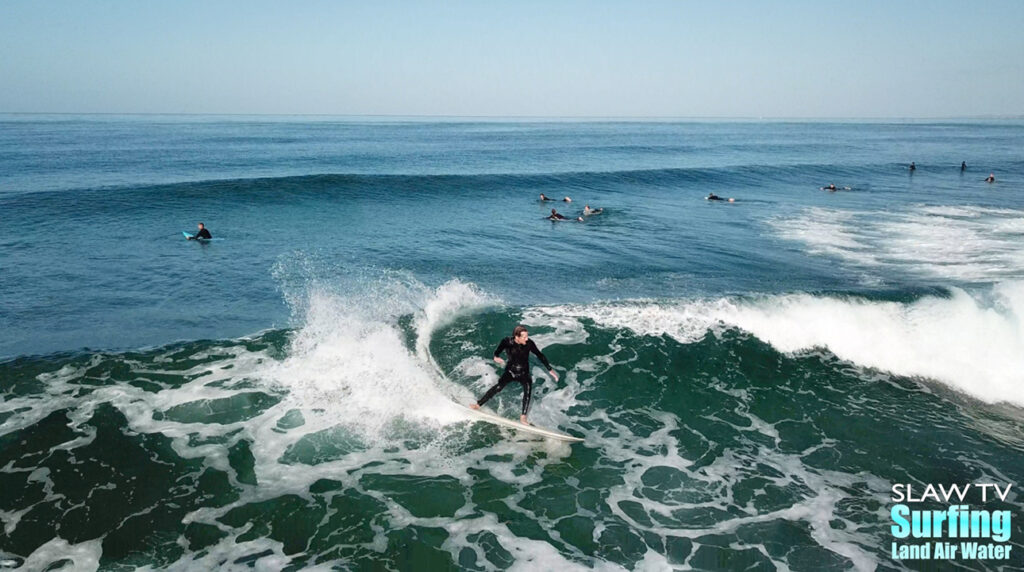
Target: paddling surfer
[556,216]
[203,233]
[518,347]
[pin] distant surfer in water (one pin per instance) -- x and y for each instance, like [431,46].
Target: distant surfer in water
[587,211]
[963,166]
[913,167]
[714,197]
[544,198]
[991,178]
[555,215]
[831,187]
[201,233]
[517,368]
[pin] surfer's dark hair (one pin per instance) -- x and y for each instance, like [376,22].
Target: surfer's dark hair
[518,330]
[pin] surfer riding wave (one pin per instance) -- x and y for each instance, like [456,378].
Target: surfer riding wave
[518,347]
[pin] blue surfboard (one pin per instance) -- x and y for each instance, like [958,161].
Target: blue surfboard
[192,235]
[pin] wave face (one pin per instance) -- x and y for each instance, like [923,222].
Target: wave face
[750,378]
[713,430]
[973,345]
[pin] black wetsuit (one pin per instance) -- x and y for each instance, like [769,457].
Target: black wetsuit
[517,368]
[203,233]
[557,216]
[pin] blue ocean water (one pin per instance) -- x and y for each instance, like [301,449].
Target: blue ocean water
[745,373]
[98,203]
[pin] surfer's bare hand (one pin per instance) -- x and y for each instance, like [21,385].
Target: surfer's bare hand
[499,361]
[553,374]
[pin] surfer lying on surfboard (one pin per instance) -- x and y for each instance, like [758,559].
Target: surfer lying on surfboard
[555,215]
[518,347]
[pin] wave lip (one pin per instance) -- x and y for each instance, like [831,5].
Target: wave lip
[973,344]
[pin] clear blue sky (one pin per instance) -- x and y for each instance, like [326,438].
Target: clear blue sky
[546,58]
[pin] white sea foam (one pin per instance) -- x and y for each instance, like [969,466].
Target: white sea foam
[354,376]
[961,243]
[348,372]
[82,557]
[974,344]
[357,371]
[637,452]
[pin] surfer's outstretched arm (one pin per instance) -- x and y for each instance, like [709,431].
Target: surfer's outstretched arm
[536,351]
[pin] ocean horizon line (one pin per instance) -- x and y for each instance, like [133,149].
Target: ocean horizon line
[540,118]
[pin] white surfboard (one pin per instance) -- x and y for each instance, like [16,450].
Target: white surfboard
[533,429]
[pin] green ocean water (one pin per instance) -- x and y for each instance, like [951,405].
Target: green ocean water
[715,453]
